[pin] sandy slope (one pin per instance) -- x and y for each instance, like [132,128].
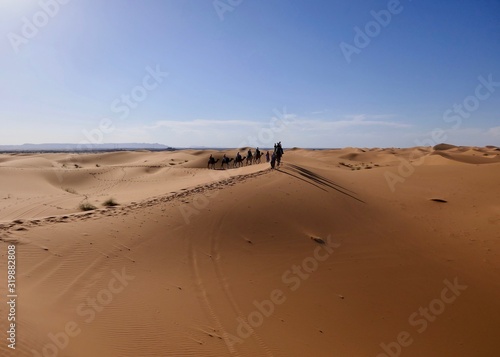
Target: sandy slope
[336,253]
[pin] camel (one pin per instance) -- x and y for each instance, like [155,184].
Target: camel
[249,158]
[212,162]
[225,161]
[238,163]
[257,157]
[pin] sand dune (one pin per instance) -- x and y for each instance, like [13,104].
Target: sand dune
[349,252]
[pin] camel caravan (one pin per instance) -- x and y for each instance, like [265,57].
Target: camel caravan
[250,159]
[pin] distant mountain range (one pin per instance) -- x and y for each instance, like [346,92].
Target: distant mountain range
[82,147]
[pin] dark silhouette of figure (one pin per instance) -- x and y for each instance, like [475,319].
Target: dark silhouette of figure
[211,162]
[273,160]
[249,157]
[238,161]
[279,152]
[225,161]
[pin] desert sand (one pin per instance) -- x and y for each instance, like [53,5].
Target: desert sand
[348,252]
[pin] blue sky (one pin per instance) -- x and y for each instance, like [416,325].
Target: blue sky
[250,72]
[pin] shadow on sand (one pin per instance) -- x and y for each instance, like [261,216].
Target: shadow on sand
[316,180]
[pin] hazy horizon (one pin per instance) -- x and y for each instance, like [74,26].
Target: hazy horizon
[249,73]
[109,147]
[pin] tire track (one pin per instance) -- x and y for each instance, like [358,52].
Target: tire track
[223,281]
[209,310]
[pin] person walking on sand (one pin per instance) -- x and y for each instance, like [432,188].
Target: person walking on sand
[279,153]
[267,156]
[273,160]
